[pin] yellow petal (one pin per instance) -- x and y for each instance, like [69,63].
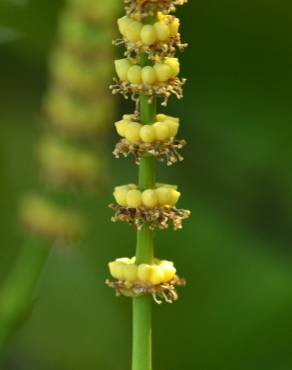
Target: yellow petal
[162,30]
[149,198]
[148,75]
[148,35]
[134,75]
[134,198]
[144,272]
[132,132]
[147,134]
[131,272]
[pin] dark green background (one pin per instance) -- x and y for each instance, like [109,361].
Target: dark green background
[235,251]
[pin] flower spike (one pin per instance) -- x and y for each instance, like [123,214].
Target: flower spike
[148,73]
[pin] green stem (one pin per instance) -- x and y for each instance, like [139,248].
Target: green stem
[17,293]
[147,109]
[142,323]
[142,334]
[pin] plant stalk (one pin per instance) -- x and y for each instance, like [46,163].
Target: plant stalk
[142,306]
[16,301]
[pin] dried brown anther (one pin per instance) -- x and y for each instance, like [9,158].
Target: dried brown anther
[150,7]
[162,89]
[162,292]
[164,151]
[157,217]
[163,49]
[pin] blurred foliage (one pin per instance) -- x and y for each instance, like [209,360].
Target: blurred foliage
[235,312]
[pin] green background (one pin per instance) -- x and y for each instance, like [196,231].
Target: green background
[236,311]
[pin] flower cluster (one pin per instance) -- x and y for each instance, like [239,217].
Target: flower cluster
[125,269]
[48,219]
[148,34]
[130,196]
[75,117]
[162,71]
[158,139]
[62,163]
[158,279]
[76,112]
[158,80]
[165,128]
[160,37]
[148,72]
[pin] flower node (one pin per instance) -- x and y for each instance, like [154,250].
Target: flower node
[162,292]
[163,49]
[163,90]
[158,217]
[164,151]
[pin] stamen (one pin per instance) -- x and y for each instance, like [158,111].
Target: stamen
[165,292]
[157,217]
[164,151]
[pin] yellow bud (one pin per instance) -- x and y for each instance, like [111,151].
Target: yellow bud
[169,271]
[122,66]
[144,272]
[131,187]
[120,195]
[121,127]
[149,198]
[117,269]
[157,275]
[134,198]
[130,272]
[161,117]
[121,270]
[133,30]
[163,195]
[148,35]
[173,63]
[162,30]
[148,75]
[173,27]
[123,24]
[132,132]
[161,131]
[173,197]
[124,261]
[112,268]
[134,75]
[163,71]
[147,134]
[172,126]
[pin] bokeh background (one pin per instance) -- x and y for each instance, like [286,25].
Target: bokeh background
[235,251]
